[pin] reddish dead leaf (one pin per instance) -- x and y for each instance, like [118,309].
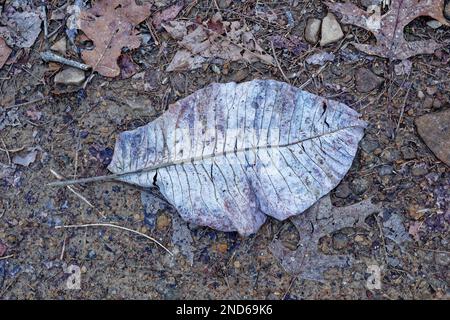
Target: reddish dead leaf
[128,67]
[388,28]
[166,15]
[111,27]
[5,51]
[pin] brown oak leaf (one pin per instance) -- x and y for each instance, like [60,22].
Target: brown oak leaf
[111,27]
[388,28]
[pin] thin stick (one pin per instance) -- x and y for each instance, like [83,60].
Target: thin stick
[403,109]
[278,63]
[117,227]
[48,56]
[314,76]
[6,257]
[26,103]
[72,189]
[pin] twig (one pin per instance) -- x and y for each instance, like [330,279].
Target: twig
[314,76]
[403,109]
[44,14]
[61,257]
[48,56]
[278,63]
[72,189]
[6,257]
[6,151]
[26,103]
[152,32]
[117,227]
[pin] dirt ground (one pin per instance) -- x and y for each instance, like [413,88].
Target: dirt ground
[74,134]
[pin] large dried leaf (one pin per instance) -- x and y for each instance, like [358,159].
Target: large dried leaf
[111,27]
[214,39]
[230,154]
[322,219]
[388,28]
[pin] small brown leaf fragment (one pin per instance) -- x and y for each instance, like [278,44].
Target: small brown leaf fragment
[5,51]
[128,67]
[388,28]
[111,27]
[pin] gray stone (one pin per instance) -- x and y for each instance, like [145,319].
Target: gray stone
[408,153]
[343,190]
[385,170]
[60,46]
[359,186]
[70,76]
[434,24]
[366,80]
[331,30]
[442,258]
[419,170]
[369,145]
[340,241]
[312,30]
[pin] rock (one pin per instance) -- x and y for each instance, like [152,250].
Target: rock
[442,258]
[434,24]
[369,145]
[331,30]
[434,129]
[385,170]
[342,190]
[366,80]
[60,46]
[70,76]
[312,30]
[359,186]
[162,222]
[223,4]
[340,241]
[419,170]
[408,153]
[368,3]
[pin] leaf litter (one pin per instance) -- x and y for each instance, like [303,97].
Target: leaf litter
[20,24]
[213,40]
[388,28]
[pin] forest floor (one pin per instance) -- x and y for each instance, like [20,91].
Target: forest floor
[73,131]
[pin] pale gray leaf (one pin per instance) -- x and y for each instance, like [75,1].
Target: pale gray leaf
[230,154]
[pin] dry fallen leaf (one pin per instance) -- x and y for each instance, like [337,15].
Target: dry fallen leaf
[166,15]
[388,28]
[231,154]
[320,220]
[21,25]
[214,39]
[5,51]
[111,27]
